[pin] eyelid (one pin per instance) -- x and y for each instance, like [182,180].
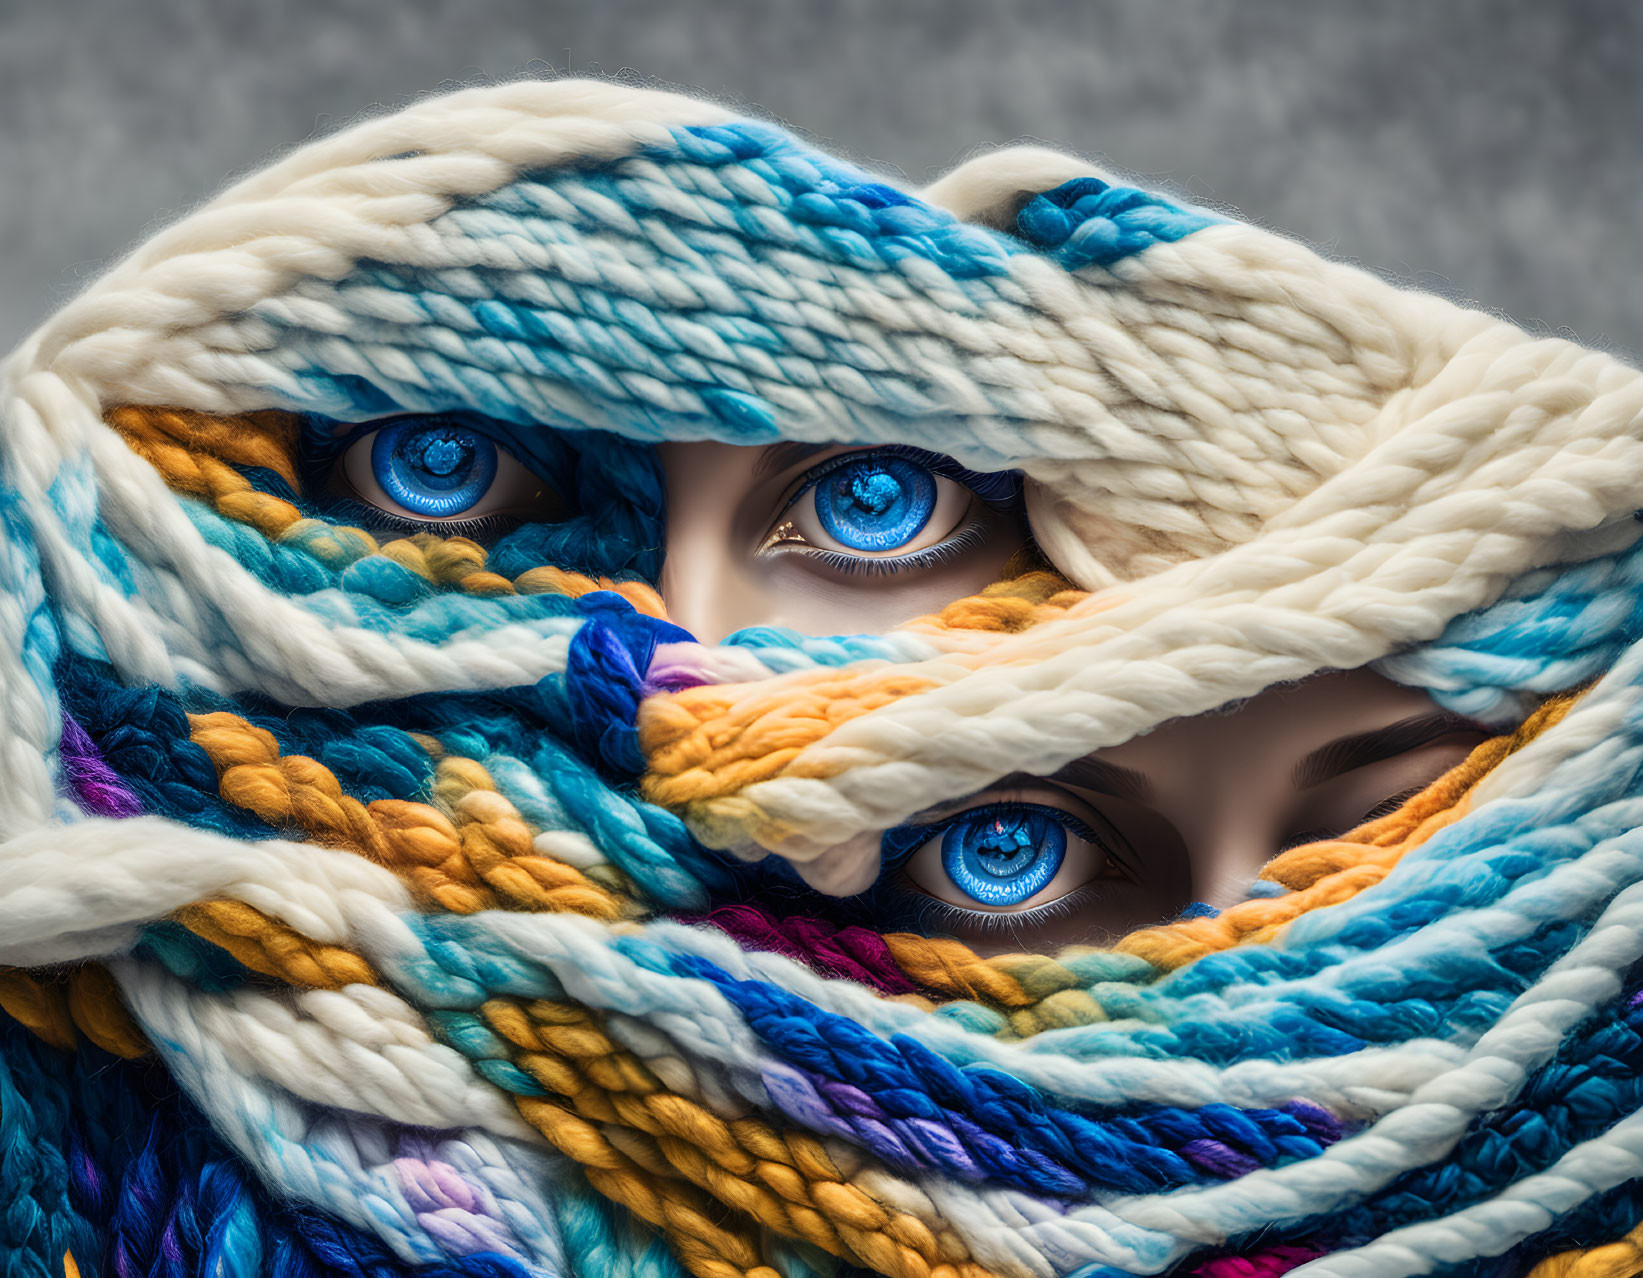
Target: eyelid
[943,814]
[1069,819]
[352,464]
[958,490]
[909,846]
[904,841]
[1391,803]
[1384,745]
[1383,807]
[1000,489]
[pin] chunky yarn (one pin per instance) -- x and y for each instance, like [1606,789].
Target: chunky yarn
[405,905]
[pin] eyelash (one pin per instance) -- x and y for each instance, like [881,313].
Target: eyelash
[999,489]
[929,914]
[377,521]
[326,442]
[1386,807]
[965,539]
[902,843]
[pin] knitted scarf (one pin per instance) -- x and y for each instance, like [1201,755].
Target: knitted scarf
[384,906]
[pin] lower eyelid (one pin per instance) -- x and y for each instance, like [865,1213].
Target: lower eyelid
[844,562]
[934,914]
[1108,866]
[353,469]
[997,492]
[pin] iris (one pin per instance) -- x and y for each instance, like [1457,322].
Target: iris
[1005,853]
[876,502]
[433,469]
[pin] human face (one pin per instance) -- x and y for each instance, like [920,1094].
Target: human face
[1127,836]
[1189,812]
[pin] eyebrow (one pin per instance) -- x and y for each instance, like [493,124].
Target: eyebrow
[779,457]
[1343,755]
[1105,778]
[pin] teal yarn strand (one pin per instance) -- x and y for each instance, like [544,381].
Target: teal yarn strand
[480,922]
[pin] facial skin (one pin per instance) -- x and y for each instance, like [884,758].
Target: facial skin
[839,540]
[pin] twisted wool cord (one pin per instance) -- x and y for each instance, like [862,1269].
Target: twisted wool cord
[1023,1066]
[673,1216]
[789,718]
[587,967]
[788,1183]
[787,978]
[1442,1111]
[1561,1104]
[737,1150]
[199,455]
[360,1048]
[957,1135]
[1322,874]
[273,949]
[872,1233]
[936,964]
[1595,1073]
[878,1235]
[1622,1258]
[1279,1260]
[484,862]
[455,790]
[83,999]
[684,772]
[1199,392]
[290,664]
[353,1167]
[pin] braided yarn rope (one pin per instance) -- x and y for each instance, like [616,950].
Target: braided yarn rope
[395,906]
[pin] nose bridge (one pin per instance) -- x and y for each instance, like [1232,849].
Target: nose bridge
[1224,866]
[707,582]
[692,577]
[1226,819]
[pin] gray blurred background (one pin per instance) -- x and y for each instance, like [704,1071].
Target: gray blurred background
[1491,150]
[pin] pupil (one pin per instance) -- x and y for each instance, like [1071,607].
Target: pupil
[441,455]
[1002,849]
[876,492]
[1003,858]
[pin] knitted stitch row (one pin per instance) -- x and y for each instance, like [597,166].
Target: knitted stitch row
[402,905]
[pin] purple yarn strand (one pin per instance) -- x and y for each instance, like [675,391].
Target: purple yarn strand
[96,787]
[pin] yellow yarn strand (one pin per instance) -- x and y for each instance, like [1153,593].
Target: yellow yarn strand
[1620,1259]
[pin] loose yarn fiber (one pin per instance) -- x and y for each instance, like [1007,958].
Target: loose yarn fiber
[390,906]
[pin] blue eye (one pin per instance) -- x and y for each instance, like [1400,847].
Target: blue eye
[896,509]
[1005,853]
[434,469]
[875,502]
